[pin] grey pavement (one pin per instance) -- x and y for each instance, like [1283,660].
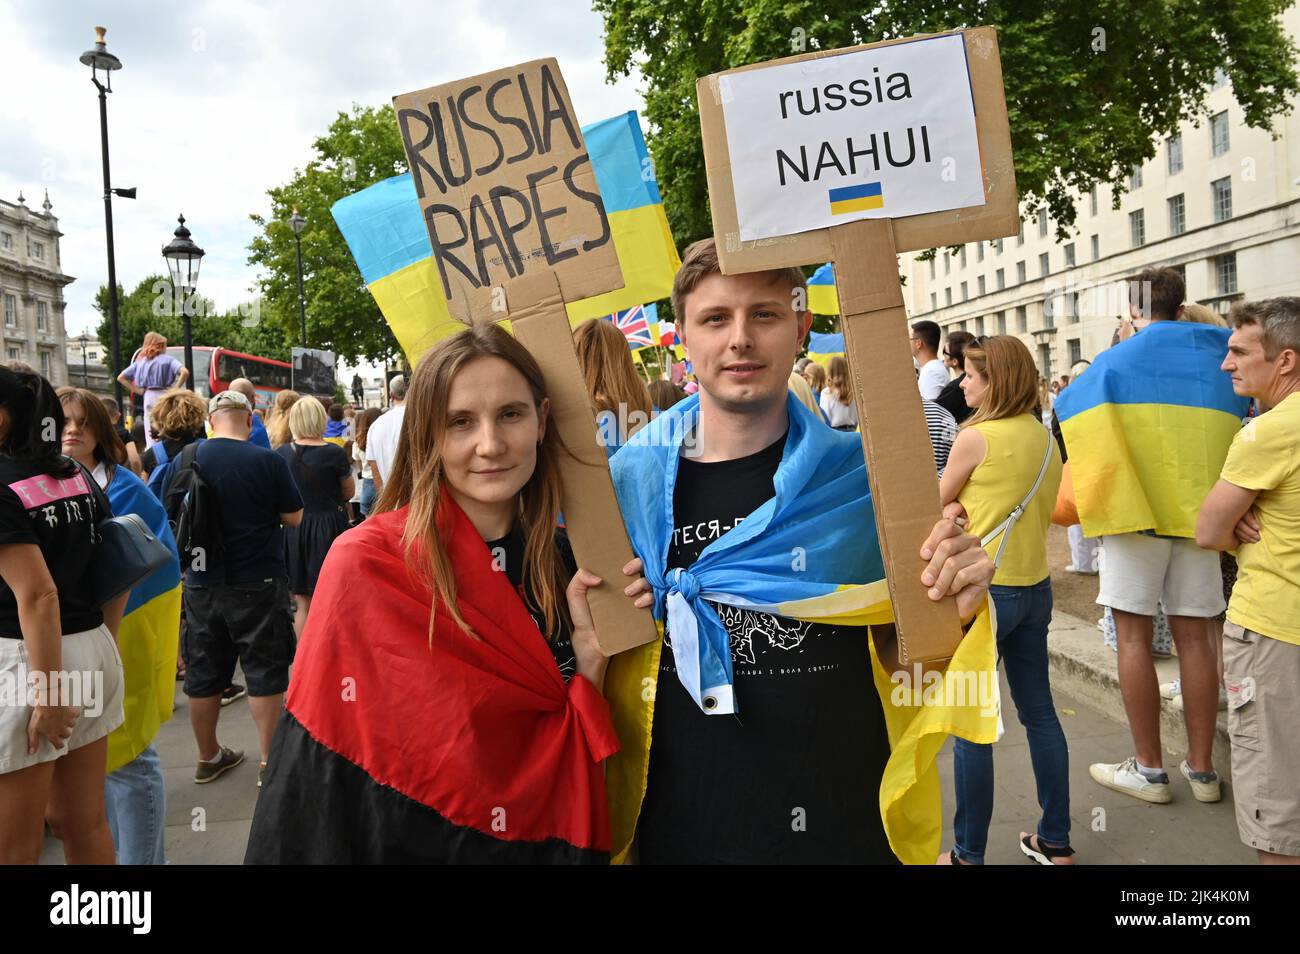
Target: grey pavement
[209,824]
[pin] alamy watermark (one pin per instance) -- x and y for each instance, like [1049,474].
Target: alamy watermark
[83,689]
[967,688]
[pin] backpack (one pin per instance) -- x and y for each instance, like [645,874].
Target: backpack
[158,466]
[193,511]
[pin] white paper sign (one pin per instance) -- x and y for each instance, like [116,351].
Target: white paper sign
[880,133]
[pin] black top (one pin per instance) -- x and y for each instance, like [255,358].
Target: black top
[508,554]
[317,472]
[60,517]
[253,487]
[795,776]
[953,399]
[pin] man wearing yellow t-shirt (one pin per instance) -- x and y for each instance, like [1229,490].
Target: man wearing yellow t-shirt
[1255,509]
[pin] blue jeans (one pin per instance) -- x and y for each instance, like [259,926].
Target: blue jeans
[367,496]
[135,797]
[1023,614]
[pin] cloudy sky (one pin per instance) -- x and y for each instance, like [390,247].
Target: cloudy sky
[218,101]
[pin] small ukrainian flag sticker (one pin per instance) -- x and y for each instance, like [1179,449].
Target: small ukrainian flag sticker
[856,198]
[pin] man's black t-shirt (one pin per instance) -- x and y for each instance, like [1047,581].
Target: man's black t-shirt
[953,399]
[508,556]
[60,517]
[253,487]
[794,777]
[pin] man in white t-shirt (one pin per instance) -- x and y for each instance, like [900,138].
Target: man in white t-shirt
[925,350]
[381,440]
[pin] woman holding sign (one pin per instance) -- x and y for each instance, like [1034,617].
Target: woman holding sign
[466,722]
[1003,462]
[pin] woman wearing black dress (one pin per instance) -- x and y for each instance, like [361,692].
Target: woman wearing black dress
[324,477]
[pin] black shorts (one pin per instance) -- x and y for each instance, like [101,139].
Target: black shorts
[248,622]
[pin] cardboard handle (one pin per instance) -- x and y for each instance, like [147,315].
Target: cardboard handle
[592,517]
[900,459]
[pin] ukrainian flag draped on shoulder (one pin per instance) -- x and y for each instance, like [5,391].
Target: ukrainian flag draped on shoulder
[150,630]
[809,553]
[1147,429]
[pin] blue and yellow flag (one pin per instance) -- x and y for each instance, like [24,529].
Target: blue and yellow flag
[150,633]
[386,233]
[1148,428]
[822,297]
[821,348]
[822,506]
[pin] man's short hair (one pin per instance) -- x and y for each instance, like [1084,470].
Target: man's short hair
[928,332]
[1279,318]
[112,407]
[397,387]
[958,342]
[335,412]
[701,261]
[1162,290]
[245,387]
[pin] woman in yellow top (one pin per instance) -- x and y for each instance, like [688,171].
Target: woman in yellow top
[1002,452]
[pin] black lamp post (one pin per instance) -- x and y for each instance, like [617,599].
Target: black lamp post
[100,59]
[84,339]
[183,259]
[296,222]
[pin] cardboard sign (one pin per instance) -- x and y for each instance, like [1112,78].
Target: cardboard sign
[518,228]
[506,188]
[900,460]
[883,132]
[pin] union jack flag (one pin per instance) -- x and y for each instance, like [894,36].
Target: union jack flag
[636,325]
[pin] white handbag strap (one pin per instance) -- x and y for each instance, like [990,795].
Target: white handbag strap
[1009,524]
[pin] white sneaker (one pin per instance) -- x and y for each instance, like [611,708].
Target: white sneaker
[1125,777]
[1172,690]
[1202,791]
[1071,568]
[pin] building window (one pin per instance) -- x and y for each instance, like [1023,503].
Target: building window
[1092,201]
[1020,273]
[1072,307]
[1177,214]
[1049,313]
[947,263]
[1020,236]
[1002,322]
[979,251]
[934,301]
[11,311]
[1137,228]
[947,296]
[1174,148]
[38,251]
[1221,201]
[981,285]
[1219,133]
[42,316]
[1096,247]
[1069,255]
[6,241]
[1000,278]
[45,365]
[962,253]
[1135,178]
[13,354]
[998,246]
[1220,78]
[1042,223]
[1022,319]
[964,295]
[979,326]
[1225,270]
[932,269]
[1045,359]
[1044,263]
[1076,351]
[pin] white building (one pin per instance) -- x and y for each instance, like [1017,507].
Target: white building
[1220,202]
[31,289]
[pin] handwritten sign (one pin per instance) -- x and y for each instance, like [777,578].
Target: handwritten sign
[876,133]
[506,188]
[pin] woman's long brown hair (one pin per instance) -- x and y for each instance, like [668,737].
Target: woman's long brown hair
[837,379]
[1008,367]
[108,446]
[417,481]
[608,371]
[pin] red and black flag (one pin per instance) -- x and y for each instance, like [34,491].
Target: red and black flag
[398,749]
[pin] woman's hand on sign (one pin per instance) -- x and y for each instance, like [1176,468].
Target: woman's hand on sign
[591,661]
[639,591]
[958,567]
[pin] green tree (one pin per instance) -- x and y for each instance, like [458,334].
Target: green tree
[1088,86]
[359,148]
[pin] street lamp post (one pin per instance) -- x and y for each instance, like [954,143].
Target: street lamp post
[296,222]
[183,259]
[100,59]
[83,339]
